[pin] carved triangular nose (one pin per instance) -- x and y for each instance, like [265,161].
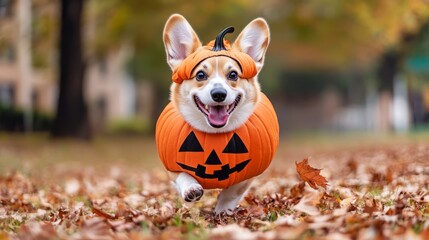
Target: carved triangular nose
[213,159]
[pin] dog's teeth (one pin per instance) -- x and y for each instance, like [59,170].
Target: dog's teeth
[206,107]
[227,107]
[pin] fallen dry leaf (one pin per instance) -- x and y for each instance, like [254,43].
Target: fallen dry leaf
[385,197]
[297,190]
[310,175]
[102,214]
[308,203]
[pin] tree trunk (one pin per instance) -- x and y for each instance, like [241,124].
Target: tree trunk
[389,67]
[72,113]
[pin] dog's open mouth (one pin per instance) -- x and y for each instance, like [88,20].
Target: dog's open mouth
[217,115]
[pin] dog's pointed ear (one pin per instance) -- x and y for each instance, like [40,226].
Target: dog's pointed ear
[254,40]
[180,40]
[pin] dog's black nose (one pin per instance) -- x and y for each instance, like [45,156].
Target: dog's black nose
[218,94]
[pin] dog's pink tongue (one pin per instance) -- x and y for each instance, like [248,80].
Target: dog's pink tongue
[218,115]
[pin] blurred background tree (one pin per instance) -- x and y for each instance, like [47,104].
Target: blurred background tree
[339,53]
[71,118]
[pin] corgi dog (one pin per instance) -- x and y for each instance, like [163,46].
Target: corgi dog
[214,98]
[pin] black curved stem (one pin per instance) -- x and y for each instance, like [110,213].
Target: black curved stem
[218,45]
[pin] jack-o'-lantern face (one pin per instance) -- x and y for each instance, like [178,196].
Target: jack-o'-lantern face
[209,161]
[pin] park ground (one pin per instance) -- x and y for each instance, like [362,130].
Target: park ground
[115,188]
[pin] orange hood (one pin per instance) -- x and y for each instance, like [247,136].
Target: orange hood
[215,48]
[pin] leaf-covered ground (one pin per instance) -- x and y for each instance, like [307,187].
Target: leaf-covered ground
[375,191]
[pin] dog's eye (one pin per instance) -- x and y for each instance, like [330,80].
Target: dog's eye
[200,76]
[233,75]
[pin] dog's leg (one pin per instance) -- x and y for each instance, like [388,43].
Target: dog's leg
[189,189]
[229,198]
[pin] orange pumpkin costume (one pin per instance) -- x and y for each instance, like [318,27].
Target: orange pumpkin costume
[218,160]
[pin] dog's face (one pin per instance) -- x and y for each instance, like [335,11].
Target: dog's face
[215,99]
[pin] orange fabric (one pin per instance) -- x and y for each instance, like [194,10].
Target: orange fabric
[184,71]
[260,135]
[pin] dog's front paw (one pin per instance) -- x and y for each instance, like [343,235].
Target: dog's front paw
[193,193]
[228,209]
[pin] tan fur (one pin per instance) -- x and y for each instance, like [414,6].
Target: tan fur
[220,66]
[173,21]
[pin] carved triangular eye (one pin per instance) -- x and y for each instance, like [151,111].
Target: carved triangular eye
[191,144]
[213,159]
[235,145]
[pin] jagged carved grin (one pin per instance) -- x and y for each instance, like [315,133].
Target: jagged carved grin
[217,115]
